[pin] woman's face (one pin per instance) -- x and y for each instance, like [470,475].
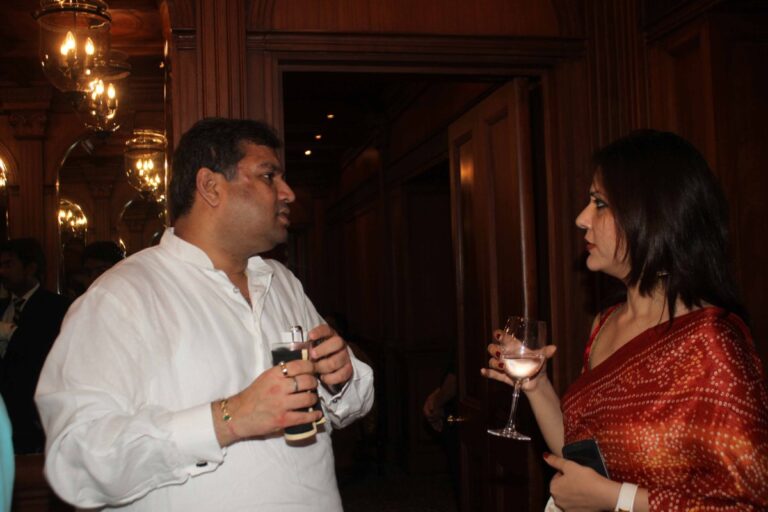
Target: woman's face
[598,222]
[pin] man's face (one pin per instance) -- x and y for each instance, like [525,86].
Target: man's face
[256,201]
[15,276]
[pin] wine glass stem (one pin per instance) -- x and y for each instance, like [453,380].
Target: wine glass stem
[515,396]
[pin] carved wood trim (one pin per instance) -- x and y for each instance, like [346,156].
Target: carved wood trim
[28,124]
[221,57]
[425,52]
[662,17]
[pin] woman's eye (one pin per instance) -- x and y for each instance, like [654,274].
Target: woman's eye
[599,203]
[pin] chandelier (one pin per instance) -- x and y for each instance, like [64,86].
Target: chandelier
[97,105]
[74,42]
[145,162]
[72,220]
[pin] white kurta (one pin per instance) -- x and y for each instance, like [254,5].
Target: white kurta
[124,394]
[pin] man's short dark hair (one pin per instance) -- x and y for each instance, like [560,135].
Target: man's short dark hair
[103,250]
[215,143]
[28,250]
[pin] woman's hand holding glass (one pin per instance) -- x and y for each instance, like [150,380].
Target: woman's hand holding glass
[521,357]
[495,368]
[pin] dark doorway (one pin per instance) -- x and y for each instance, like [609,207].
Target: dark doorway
[372,242]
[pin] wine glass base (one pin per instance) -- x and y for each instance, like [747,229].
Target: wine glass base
[508,433]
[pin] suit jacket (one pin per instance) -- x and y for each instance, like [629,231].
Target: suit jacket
[36,330]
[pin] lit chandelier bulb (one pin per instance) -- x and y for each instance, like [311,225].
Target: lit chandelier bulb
[90,49]
[69,44]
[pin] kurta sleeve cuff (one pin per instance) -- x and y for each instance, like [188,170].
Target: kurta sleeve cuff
[355,398]
[193,434]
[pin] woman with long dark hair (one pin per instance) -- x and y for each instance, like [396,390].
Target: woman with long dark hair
[672,389]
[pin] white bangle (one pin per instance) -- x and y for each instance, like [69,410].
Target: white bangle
[626,499]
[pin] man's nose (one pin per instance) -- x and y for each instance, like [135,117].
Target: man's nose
[286,193]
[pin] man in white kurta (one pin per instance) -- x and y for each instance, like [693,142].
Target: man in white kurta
[132,394]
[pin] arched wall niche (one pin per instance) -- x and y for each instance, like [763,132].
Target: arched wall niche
[10,170]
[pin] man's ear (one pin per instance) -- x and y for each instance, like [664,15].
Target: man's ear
[207,186]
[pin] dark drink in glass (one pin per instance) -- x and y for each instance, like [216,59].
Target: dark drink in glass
[291,348]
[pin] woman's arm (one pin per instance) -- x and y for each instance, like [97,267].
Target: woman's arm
[542,396]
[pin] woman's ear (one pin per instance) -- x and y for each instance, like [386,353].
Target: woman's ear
[207,186]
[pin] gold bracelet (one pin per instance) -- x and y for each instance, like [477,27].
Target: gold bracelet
[224,411]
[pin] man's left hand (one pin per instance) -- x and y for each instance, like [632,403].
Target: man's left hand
[331,356]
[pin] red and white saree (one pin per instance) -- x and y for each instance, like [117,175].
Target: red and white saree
[681,410]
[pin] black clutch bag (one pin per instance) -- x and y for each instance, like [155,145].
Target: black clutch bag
[586,453]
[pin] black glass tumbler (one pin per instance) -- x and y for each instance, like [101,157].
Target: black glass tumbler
[290,348]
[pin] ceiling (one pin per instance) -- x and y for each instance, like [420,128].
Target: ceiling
[362,103]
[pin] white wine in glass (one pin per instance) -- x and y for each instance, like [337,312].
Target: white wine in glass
[523,358]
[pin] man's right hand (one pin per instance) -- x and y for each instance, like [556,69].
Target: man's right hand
[269,404]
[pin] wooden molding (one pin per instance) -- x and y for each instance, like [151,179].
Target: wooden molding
[28,124]
[662,17]
[412,51]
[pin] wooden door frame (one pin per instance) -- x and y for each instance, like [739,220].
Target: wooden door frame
[561,66]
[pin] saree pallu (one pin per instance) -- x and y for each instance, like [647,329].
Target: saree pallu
[681,410]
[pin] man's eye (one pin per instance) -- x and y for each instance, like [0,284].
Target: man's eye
[269,177]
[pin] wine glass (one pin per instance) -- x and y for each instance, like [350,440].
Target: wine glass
[523,357]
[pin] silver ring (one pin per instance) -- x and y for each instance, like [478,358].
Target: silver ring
[295,385]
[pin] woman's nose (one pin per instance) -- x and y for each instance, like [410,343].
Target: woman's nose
[583,220]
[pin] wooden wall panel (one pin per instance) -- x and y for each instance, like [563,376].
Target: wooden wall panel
[434,108]
[568,175]
[363,271]
[708,81]
[616,59]
[221,57]
[740,81]
[508,17]
[681,87]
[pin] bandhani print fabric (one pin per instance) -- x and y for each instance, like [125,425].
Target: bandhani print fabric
[681,410]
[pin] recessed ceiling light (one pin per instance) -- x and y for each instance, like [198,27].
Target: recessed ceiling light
[330,116]
[308,152]
[318,136]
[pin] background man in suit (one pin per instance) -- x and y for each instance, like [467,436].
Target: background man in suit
[30,323]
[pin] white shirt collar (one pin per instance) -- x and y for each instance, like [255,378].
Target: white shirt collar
[194,255]
[27,295]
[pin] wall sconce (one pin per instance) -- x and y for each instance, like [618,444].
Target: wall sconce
[72,220]
[145,162]
[3,176]
[74,41]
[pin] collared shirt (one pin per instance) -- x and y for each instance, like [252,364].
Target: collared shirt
[124,394]
[7,325]
[10,310]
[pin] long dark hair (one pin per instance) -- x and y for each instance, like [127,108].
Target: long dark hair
[671,217]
